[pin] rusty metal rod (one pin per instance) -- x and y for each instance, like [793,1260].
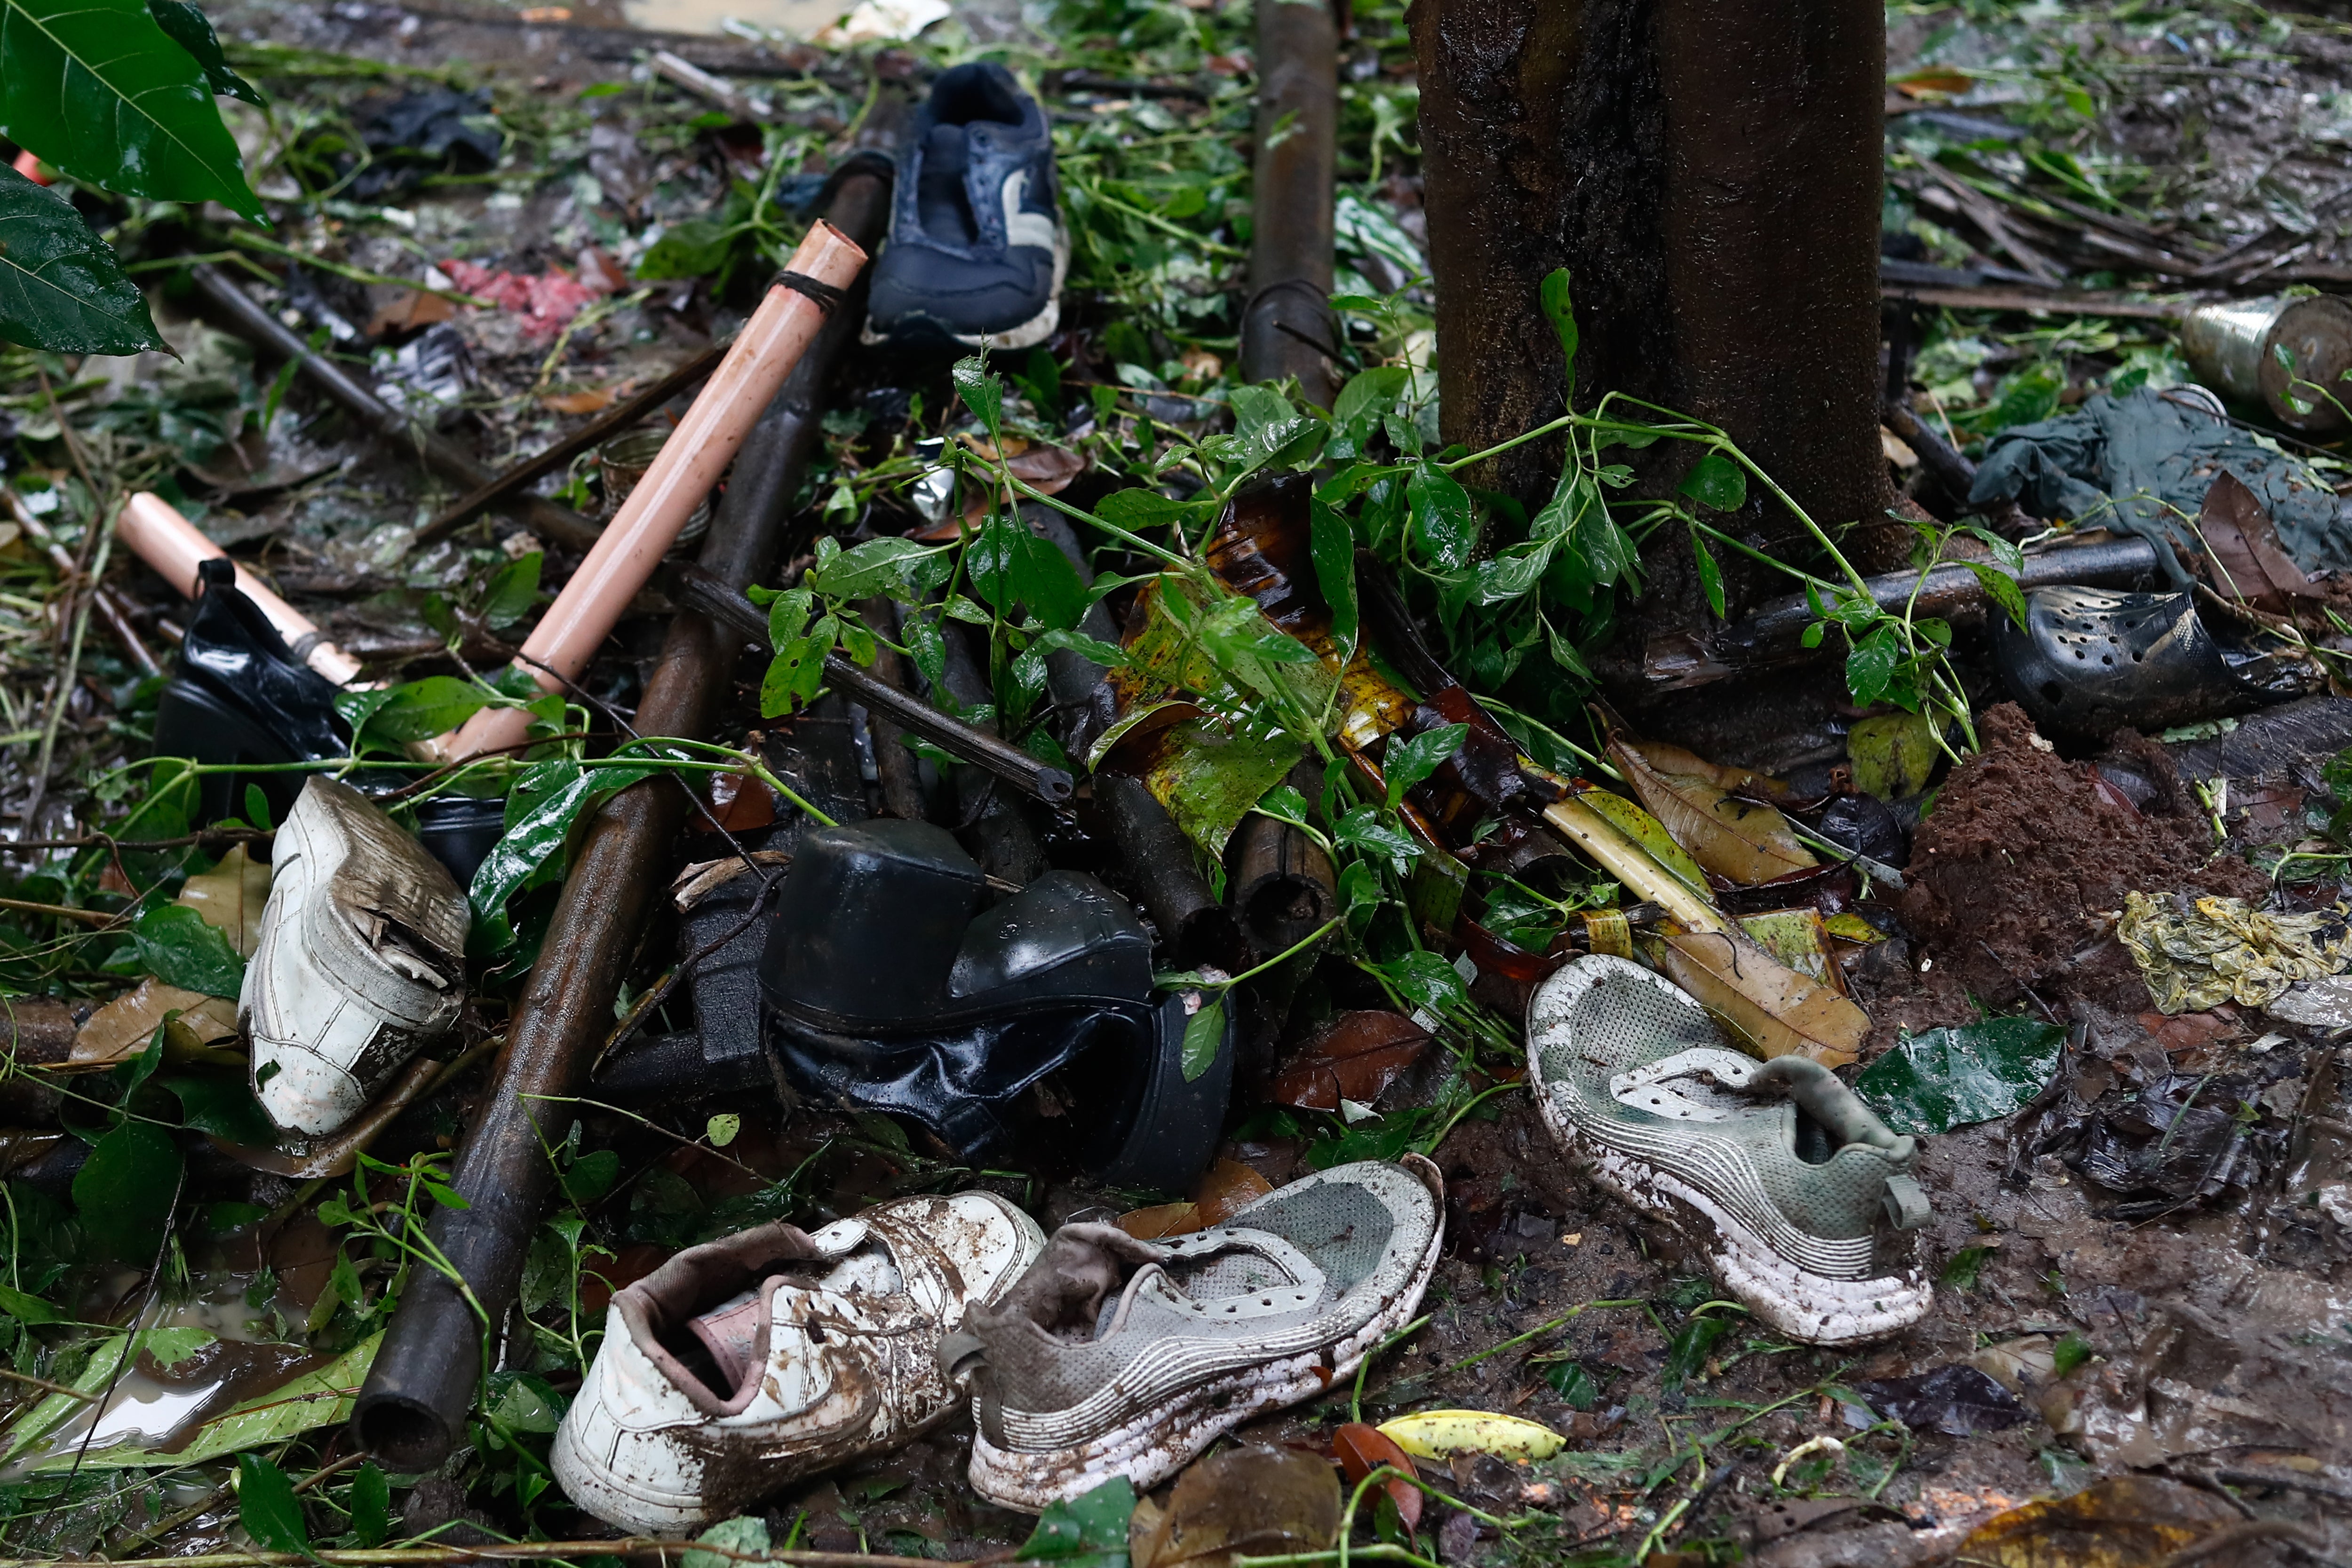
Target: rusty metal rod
[412,1410]
[245,317]
[966,742]
[620,416]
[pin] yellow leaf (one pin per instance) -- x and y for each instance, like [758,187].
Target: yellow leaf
[2120,1522]
[1893,754]
[1740,840]
[120,1030]
[1797,938]
[1435,1433]
[1652,836]
[1775,1010]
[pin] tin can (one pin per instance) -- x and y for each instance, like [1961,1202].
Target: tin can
[623,461]
[2271,352]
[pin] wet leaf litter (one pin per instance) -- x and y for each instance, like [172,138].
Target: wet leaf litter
[2125,1133]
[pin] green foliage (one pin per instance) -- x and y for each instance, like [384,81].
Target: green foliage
[61,286]
[126,1189]
[267,1507]
[181,948]
[97,88]
[1087,1531]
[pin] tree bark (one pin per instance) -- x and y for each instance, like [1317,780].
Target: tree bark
[1709,172]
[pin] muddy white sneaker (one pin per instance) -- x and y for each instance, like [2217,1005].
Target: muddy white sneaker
[361,962]
[744,1364]
[1800,1205]
[1119,1357]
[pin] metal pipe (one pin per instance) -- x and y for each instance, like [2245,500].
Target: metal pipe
[1949,590]
[249,320]
[1288,327]
[412,1410]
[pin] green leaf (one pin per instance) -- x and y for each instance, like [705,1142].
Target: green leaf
[1574,1386]
[982,392]
[1407,763]
[256,807]
[1140,511]
[2003,590]
[27,1309]
[371,1505]
[267,1507]
[61,286]
[2069,1354]
[875,567]
[1088,1531]
[95,88]
[1426,980]
[1010,565]
[181,948]
[592,1176]
[125,1191]
[1442,522]
[512,589]
[187,27]
[692,247]
[1363,830]
[742,1535]
[1870,666]
[1331,545]
[546,801]
[1205,1034]
[1560,310]
[1718,482]
[224,1107]
[1686,1353]
[1949,1078]
[1710,576]
[419,710]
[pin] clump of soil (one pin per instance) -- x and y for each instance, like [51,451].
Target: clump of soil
[2024,855]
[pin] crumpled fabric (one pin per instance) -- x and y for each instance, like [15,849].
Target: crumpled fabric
[2225,950]
[2142,463]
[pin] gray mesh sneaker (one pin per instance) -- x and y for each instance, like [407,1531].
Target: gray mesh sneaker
[1119,1357]
[1800,1205]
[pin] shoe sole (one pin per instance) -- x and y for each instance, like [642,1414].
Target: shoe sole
[1816,1309]
[1161,1441]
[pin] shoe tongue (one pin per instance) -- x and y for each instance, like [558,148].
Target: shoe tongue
[730,1332]
[945,151]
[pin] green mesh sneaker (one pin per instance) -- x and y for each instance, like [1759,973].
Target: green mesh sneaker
[1800,1205]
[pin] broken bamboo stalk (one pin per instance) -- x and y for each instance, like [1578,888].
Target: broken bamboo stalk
[412,1409]
[245,317]
[682,476]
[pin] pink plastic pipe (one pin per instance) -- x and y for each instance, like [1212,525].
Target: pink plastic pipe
[167,541]
[682,474]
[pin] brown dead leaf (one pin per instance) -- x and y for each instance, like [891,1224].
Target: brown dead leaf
[1935,81]
[1770,1006]
[1362,1449]
[2245,561]
[1047,469]
[405,309]
[231,898]
[591,401]
[1162,1219]
[741,802]
[120,1030]
[1353,1057]
[1246,1501]
[1227,1188]
[2120,1522]
[599,271]
[1738,839]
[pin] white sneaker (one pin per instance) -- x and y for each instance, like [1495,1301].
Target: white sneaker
[361,962]
[741,1365]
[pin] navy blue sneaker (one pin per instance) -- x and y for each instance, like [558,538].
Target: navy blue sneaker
[977,248]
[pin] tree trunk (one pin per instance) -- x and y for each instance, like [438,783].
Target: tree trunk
[1709,172]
